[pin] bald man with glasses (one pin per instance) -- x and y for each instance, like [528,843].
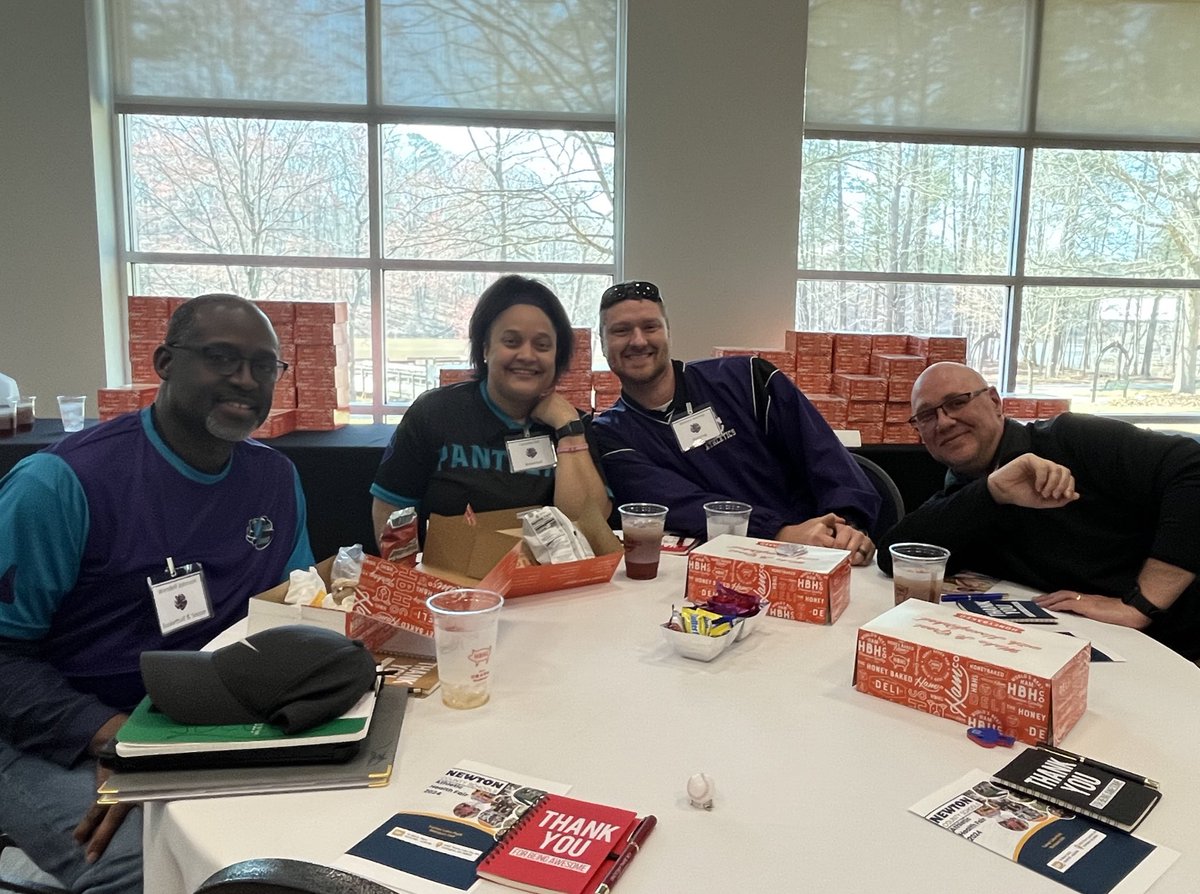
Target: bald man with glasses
[1101,515]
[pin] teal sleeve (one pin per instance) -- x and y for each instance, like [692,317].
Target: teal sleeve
[44,517]
[302,554]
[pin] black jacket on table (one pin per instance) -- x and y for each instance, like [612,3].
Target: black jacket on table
[1139,499]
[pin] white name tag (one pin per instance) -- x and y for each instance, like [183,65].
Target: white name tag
[526,454]
[180,601]
[696,428]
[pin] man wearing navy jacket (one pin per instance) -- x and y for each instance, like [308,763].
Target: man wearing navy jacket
[731,428]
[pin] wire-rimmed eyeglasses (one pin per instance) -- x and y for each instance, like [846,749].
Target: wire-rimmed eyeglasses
[951,405]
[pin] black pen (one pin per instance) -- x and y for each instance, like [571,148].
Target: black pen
[1099,765]
[633,844]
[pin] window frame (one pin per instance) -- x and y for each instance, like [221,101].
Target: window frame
[1027,141]
[374,114]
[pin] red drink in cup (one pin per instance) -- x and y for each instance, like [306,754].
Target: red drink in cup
[642,530]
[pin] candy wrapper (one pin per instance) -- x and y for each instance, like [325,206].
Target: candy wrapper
[731,603]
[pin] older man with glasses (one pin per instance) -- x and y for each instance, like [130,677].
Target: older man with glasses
[1100,514]
[150,531]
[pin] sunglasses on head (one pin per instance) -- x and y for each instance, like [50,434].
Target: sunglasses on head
[621,291]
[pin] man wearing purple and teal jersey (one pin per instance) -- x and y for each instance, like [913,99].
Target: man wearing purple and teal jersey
[86,523]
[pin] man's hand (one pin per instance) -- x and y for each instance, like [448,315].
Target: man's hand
[100,823]
[1098,608]
[859,544]
[1032,482]
[819,531]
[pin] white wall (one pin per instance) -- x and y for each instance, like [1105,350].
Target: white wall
[714,115]
[53,324]
[713,138]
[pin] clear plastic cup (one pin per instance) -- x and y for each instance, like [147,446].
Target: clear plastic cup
[465,623]
[8,420]
[642,527]
[70,407]
[25,413]
[727,517]
[918,570]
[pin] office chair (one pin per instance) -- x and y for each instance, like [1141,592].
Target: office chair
[891,507]
[10,883]
[274,875]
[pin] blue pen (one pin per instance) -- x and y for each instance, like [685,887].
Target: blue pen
[974,597]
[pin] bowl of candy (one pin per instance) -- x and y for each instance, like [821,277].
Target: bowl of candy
[698,645]
[742,609]
[697,633]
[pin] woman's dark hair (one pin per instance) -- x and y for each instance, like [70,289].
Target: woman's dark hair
[503,294]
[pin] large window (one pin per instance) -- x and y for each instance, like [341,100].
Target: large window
[394,154]
[1024,173]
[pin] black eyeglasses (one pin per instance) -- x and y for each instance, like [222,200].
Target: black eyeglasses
[226,362]
[647,291]
[949,406]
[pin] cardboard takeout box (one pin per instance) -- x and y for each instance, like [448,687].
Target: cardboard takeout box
[487,552]
[1024,681]
[380,634]
[813,586]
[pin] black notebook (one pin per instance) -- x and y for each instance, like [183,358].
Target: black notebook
[369,768]
[1104,793]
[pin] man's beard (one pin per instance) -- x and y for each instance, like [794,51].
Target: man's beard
[228,431]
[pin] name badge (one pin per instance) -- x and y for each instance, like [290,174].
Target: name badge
[527,454]
[696,428]
[180,597]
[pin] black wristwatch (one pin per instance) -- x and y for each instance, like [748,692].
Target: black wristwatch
[1135,598]
[574,427]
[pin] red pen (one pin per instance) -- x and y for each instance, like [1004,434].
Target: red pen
[633,844]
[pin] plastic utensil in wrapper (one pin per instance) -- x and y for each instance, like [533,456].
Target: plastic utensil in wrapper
[399,539]
[347,569]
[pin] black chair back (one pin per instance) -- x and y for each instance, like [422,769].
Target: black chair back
[280,876]
[891,507]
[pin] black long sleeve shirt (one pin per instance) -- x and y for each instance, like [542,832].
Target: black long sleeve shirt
[1139,499]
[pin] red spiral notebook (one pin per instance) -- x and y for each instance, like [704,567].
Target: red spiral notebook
[561,846]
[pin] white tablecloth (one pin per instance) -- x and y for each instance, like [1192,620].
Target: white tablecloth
[813,778]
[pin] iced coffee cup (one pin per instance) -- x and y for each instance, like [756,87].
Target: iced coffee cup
[918,570]
[642,531]
[465,623]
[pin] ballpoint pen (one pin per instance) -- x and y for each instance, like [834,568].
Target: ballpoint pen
[1099,765]
[633,844]
[975,597]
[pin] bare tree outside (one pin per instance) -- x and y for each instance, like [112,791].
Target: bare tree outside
[938,209]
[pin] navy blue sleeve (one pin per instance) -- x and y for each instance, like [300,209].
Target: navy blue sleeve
[837,483]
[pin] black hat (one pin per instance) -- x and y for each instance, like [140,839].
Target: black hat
[295,677]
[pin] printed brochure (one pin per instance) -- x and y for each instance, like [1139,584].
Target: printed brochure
[435,845]
[1079,853]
